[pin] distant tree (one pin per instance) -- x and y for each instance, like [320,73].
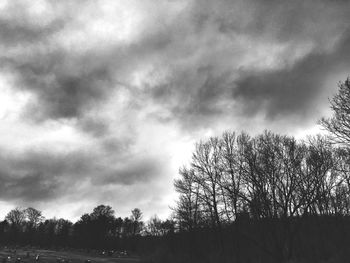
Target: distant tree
[168,226]
[33,216]
[63,231]
[136,217]
[339,124]
[16,217]
[82,231]
[154,226]
[96,228]
[49,230]
[102,211]
[118,227]
[128,227]
[102,223]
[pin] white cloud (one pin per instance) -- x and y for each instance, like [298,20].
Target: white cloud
[120,91]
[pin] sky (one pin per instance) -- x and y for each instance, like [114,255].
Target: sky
[101,102]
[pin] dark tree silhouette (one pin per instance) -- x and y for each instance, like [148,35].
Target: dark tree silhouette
[339,124]
[33,216]
[266,178]
[16,217]
[136,217]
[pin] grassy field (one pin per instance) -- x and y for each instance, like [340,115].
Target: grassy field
[48,256]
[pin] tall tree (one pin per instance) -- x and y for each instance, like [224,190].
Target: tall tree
[207,165]
[188,205]
[339,124]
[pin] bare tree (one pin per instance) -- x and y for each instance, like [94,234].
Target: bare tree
[232,179]
[188,206]
[33,216]
[16,216]
[207,166]
[339,124]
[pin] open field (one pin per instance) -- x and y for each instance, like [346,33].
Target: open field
[48,256]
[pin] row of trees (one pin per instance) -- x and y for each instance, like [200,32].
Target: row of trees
[266,176]
[98,229]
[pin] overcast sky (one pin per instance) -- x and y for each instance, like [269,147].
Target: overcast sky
[102,101]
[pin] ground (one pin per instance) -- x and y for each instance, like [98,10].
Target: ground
[27,255]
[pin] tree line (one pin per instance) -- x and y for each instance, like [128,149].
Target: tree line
[265,176]
[100,229]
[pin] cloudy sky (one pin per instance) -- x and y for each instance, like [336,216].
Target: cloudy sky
[102,101]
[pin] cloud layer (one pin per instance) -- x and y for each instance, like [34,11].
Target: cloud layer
[104,104]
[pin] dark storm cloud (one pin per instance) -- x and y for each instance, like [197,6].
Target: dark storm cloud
[295,90]
[207,64]
[60,92]
[41,175]
[12,33]
[192,102]
[63,83]
[141,170]
[18,27]
[279,20]
[214,84]
[31,187]
[202,76]
[95,126]
[67,96]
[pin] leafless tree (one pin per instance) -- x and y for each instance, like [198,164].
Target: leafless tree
[33,216]
[207,166]
[339,124]
[188,207]
[16,216]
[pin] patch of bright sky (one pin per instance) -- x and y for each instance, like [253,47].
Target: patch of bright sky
[104,24]
[62,137]
[5,207]
[11,102]
[112,23]
[273,55]
[39,12]
[149,75]
[18,134]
